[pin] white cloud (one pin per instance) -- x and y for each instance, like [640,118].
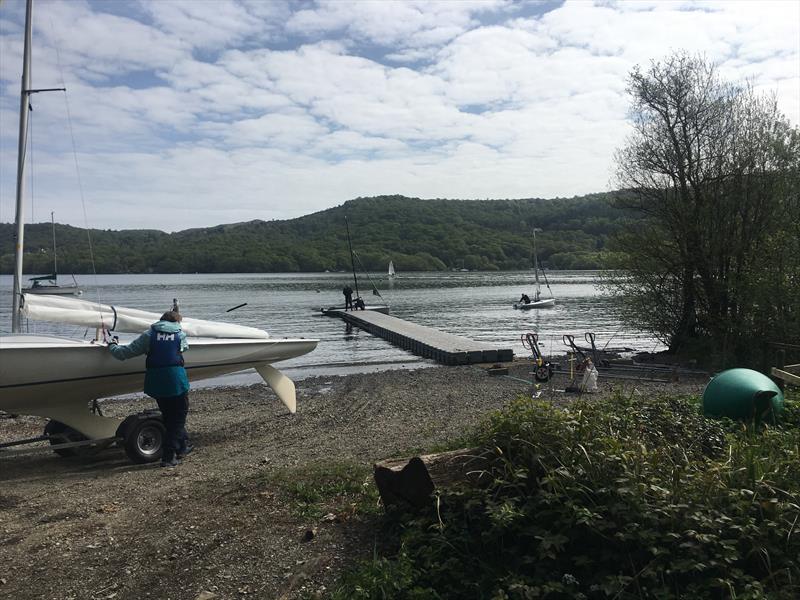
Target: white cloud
[209,25]
[251,109]
[345,143]
[288,130]
[98,45]
[411,24]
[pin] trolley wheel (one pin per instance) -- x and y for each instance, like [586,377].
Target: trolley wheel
[542,373]
[143,438]
[59,433]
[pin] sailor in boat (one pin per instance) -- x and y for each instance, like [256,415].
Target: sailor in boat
[524,299]
[165,379]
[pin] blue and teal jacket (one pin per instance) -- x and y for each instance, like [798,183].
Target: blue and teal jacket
[165,376]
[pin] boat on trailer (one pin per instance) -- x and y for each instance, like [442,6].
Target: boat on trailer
[58,378]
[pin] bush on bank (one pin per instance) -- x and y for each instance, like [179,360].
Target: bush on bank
[619,498]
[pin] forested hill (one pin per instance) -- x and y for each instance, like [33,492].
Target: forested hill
[416,234]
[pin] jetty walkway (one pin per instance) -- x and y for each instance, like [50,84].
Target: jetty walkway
[426,341]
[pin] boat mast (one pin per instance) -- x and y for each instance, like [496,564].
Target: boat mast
[536,265]
[352,258]
[23,129]
[55,255]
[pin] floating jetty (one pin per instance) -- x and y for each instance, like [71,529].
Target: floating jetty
[425,341]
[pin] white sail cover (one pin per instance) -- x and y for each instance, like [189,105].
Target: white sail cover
[126,320]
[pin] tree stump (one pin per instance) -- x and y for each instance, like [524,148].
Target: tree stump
[413,481]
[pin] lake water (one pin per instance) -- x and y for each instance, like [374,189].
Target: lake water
[478,305]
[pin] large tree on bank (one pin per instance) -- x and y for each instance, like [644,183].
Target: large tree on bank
[715,167]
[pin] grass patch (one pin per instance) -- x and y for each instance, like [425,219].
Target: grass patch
[619,498]
[314,490]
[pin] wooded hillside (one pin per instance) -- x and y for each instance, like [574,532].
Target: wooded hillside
[416,234]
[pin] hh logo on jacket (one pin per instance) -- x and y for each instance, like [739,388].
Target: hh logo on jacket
[165,337]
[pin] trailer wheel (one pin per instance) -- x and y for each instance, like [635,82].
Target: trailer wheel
[542,373]
[144,438]
[59,433]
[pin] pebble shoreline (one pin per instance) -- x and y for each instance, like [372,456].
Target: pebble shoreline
[93,526]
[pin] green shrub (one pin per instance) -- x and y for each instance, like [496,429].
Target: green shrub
[791,409]
[616,498]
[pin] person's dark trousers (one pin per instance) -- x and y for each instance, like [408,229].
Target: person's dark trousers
[174,410]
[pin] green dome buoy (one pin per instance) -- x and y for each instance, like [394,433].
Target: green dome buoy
[743,394]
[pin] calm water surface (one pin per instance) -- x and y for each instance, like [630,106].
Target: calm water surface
[477,305]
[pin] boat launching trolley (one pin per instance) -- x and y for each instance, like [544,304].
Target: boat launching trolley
[140,435]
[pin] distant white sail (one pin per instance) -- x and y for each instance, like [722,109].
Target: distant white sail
[391,269]
[57,309]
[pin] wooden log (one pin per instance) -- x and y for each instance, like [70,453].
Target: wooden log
[413,481]
[787,375]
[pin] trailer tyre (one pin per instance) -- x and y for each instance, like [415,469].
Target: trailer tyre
[542,373]
[59,434]
[143,438]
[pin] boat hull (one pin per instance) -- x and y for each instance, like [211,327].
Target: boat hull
[54,290]
[57,377]
[544,303]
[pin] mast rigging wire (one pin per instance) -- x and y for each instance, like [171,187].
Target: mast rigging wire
[547,282]
[78,175]
[375,291]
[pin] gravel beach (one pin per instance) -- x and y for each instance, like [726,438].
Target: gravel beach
[217,526]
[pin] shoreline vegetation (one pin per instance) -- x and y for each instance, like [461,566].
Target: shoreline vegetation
[626,493]
[615,497]
[416,234]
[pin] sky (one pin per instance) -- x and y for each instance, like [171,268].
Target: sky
[193,113]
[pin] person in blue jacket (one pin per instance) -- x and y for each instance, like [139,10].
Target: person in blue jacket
[165,379]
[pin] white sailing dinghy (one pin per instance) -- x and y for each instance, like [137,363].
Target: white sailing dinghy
[335,310]
[48,284]
[537,301]
[392,273]
[58,377]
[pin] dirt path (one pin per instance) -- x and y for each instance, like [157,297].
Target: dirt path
[100,527]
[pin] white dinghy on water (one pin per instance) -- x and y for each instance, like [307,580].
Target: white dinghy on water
[359,303]
[57,377]
[48,284]
[526,303]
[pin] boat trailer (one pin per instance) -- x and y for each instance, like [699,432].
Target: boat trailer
[609,364]
[542,369]
[140,435]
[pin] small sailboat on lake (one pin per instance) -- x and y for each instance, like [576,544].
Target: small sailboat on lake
[526,302]
[358,302]
[392,274]
[48,284]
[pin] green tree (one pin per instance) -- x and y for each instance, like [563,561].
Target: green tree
[713,168]
[417,234]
